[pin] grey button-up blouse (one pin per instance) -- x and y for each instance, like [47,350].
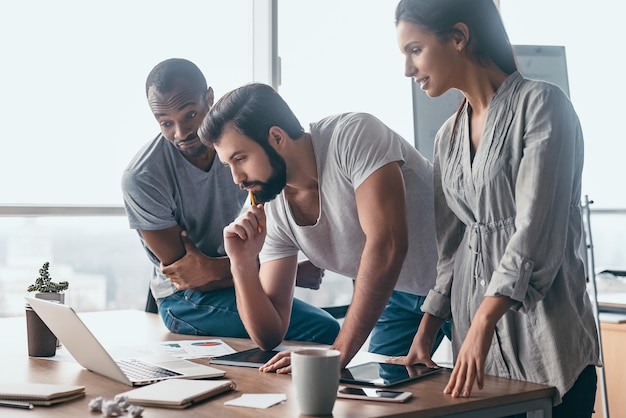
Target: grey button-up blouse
[509,223]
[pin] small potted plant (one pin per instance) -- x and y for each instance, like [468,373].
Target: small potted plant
[46,288]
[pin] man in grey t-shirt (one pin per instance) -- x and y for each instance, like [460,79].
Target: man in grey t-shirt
[351,194]
[175,185]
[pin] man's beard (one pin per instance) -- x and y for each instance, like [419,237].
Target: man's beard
[276,182]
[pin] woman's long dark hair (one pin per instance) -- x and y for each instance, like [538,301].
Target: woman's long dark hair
[488,41]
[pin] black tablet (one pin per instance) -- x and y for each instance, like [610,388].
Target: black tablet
[384,374]
[255,357]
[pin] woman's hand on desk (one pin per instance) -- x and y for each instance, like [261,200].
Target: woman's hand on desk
[280,363]
[469,367]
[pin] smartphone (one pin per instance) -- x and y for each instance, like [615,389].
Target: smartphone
[373,394]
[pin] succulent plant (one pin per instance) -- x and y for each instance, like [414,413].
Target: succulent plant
[45,284]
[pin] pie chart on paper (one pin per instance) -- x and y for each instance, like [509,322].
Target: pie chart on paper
[206,343]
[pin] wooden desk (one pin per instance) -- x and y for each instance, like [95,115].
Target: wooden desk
[613,342]
[116,328]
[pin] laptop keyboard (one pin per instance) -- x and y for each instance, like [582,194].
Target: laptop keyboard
[139,370]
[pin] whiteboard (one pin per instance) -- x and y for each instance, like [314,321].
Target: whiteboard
[539,62]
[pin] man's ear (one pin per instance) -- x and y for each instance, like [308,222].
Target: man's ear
[210,97]
[276,136]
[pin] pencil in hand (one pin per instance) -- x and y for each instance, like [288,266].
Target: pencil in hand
[259,227]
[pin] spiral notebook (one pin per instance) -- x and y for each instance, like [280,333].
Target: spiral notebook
[40,393]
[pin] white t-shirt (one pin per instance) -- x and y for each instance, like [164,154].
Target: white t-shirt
[348,149]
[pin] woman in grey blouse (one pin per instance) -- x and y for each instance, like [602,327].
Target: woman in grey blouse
[507,194]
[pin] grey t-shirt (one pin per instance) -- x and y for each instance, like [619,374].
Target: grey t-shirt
[162,189]
[348,149]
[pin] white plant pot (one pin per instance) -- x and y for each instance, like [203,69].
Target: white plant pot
[51,296]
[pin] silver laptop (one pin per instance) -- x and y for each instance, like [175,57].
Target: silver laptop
[89,353]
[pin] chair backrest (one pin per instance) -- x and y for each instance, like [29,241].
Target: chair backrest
[337,311]
[151,305]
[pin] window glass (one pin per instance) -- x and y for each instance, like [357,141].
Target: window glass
[73,108]
[100,257]
[342,56]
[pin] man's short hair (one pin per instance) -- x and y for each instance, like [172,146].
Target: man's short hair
[252,109]
[166,73]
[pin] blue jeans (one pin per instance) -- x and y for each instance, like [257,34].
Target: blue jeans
[215,313]
[396,327]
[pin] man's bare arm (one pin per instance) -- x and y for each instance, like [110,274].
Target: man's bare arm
[264,298]
[264,304]
[381,206]
[184,264]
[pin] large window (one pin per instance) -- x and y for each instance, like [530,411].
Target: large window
[73,106]
[74,113]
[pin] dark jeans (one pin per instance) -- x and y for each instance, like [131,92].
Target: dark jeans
[396,327]
[579,400]
[215,313]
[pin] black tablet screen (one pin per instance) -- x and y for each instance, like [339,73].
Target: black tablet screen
[384,374]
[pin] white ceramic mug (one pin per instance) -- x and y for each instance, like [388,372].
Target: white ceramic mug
[315,374]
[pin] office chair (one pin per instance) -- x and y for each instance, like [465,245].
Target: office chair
[151,305]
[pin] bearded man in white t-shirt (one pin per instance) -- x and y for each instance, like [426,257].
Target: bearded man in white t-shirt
[351,194]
